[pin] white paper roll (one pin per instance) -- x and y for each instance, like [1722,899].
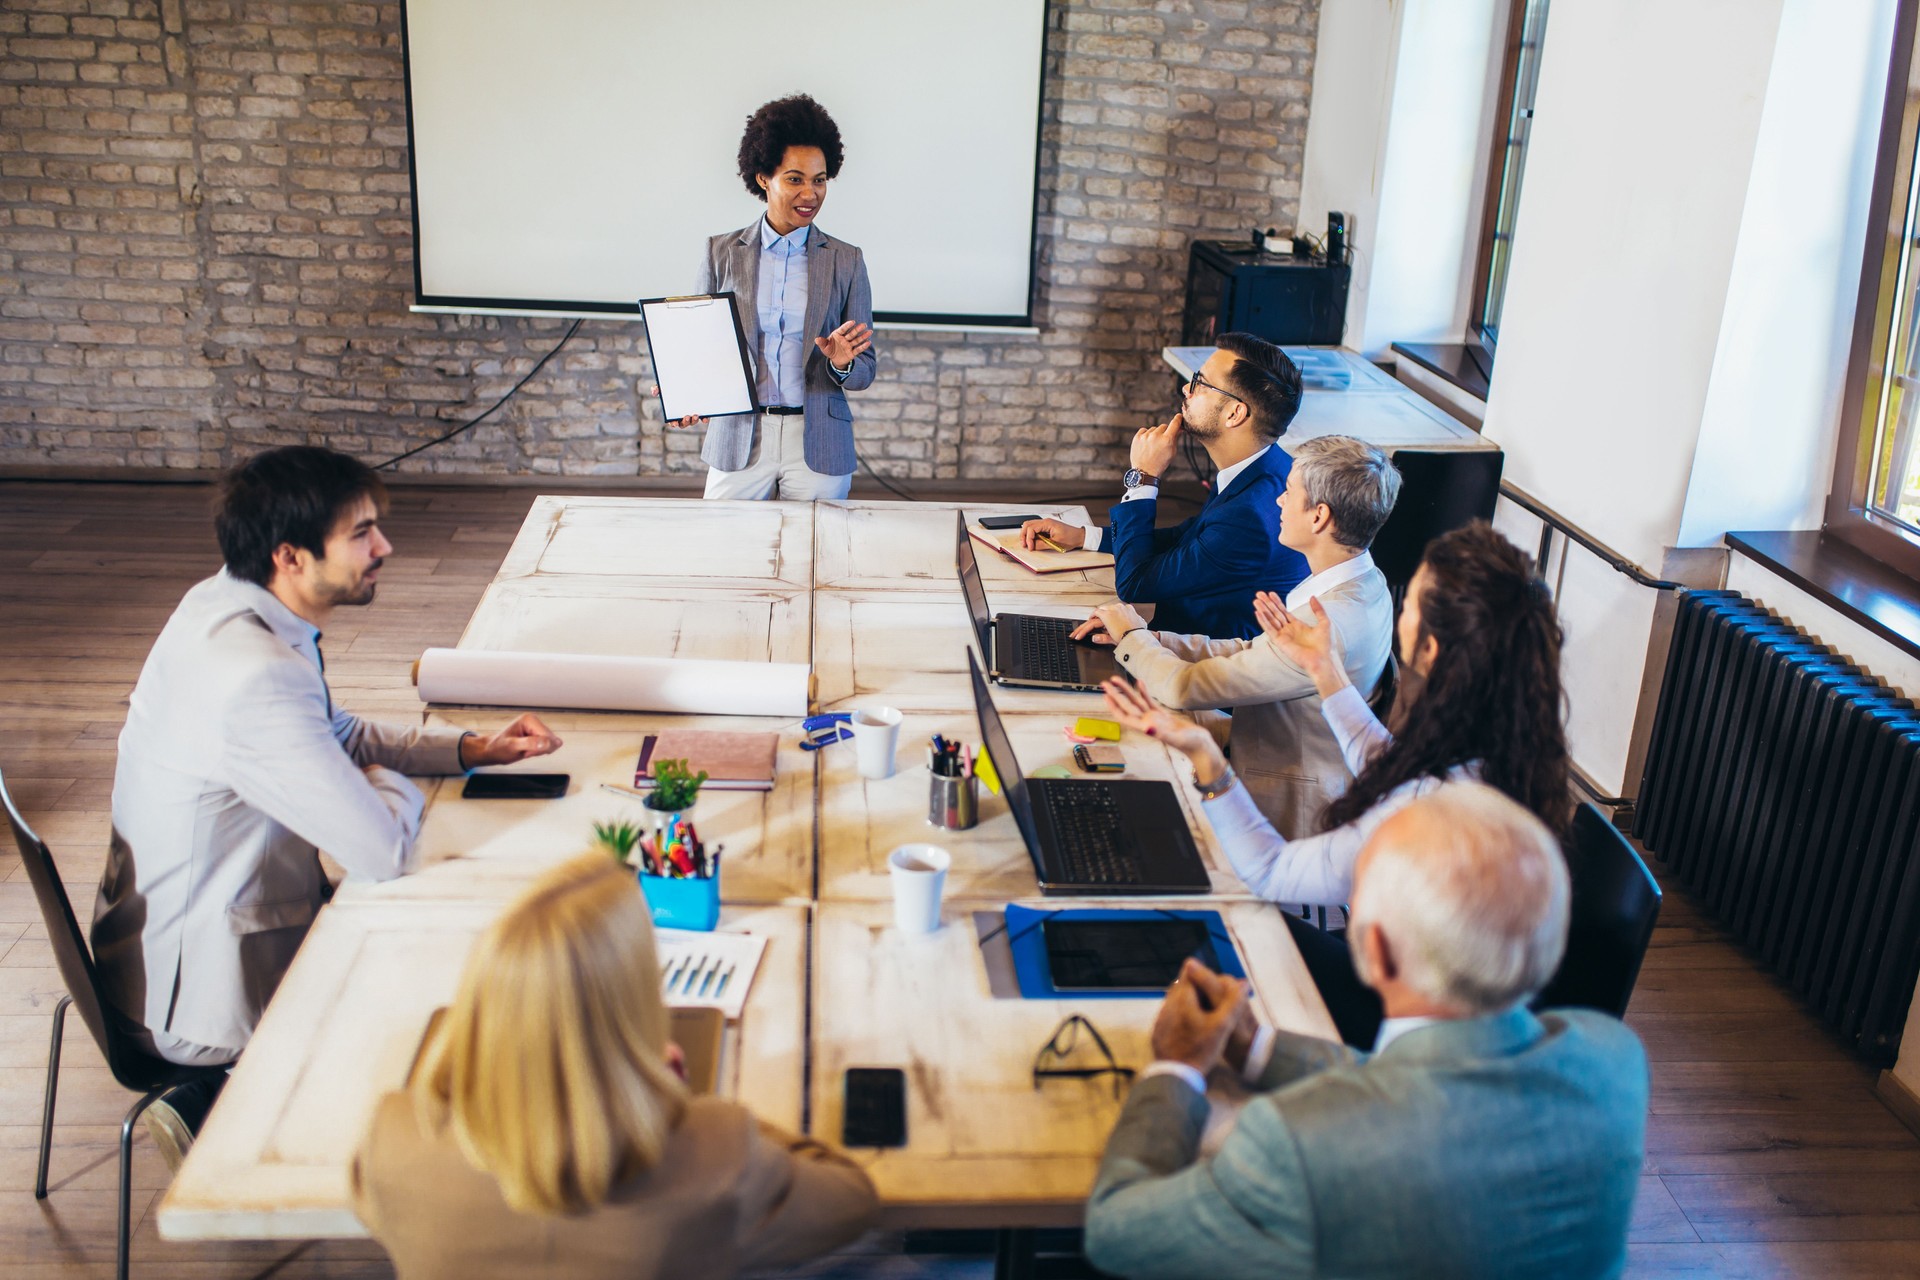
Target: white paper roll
[587,682]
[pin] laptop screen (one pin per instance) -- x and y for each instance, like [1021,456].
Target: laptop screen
[1013,783]
[972,588]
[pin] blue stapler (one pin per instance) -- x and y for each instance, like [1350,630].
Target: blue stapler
[825,730]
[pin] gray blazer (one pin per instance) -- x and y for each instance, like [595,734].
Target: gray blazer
[1503,1146]
[1283,750]
[837,291]
[234,767]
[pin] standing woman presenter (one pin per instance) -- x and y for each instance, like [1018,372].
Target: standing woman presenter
[808,315]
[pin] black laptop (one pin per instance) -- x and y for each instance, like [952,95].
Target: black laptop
[1027,649]
[1092,836]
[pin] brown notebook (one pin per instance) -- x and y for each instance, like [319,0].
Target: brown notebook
[732,761]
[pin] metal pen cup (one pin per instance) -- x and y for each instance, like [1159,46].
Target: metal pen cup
[953,802]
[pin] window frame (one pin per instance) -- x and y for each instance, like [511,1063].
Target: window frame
[1849,514]
[1496,175]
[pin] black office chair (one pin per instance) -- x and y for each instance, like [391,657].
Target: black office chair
[1615,905]
[152,1078]
[1440,490]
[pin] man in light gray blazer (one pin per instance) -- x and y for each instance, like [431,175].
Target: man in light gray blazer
[1338,495]
[1477,1140]
[235,766]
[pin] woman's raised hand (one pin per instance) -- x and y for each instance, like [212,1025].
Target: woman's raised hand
[845,343]
[1132,707]
[1314,646]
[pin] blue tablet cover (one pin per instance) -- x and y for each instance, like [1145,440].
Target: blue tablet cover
[1029,947]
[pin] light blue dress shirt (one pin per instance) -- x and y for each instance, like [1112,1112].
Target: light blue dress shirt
[782,301]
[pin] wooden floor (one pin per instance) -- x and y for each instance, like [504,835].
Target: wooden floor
[1767,1152]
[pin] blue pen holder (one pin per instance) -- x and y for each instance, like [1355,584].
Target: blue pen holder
[682,904]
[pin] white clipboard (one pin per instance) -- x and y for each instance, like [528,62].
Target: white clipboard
[699,356]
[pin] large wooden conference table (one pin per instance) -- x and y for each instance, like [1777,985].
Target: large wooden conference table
[866,592]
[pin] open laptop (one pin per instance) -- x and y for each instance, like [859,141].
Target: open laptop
[1027,649]
[1092,836]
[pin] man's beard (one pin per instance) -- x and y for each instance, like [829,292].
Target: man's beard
[361,592]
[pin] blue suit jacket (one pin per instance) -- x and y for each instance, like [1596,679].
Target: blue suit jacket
[1498,1148]
[1200,575]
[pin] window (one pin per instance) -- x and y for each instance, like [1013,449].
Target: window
[1518,83]
[1875,501]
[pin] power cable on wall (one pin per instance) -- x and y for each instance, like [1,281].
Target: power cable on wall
[470,425]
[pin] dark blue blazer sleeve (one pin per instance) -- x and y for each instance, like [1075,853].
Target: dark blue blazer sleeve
[1212,551]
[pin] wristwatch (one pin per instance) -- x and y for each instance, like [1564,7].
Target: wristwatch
[1135,477]
[1220,786]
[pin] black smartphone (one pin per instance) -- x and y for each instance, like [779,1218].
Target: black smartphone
[1005,522]
[515,786]
[875,1109]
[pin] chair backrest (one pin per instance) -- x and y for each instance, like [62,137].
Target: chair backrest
[1615,904]
[1440,490]
[130,1066]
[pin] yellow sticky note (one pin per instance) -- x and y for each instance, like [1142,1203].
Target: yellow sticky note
[983,770]
[1090,727]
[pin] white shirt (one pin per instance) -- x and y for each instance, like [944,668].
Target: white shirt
[1097,537]
[1318,584]
[1317,869]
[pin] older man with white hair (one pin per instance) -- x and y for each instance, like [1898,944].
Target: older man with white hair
[1476,1140]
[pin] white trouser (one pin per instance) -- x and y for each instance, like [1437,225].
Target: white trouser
[780,470]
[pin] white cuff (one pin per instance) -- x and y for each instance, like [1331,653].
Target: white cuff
[1259,1054]
[1179,1071]
[1140,491]
[1096,536]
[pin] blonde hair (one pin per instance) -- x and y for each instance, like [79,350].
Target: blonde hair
[550,1061]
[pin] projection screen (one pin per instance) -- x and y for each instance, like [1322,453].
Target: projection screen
[574,155]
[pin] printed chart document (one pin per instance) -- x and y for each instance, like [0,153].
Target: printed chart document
[699,356]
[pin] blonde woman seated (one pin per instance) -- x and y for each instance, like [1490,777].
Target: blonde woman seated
[546,1130]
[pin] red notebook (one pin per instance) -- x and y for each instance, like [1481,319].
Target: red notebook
[732,761]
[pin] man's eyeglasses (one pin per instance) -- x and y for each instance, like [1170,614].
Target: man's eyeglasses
[1050,1062]
[1198,382]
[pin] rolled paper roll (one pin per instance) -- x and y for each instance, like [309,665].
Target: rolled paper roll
[588,682]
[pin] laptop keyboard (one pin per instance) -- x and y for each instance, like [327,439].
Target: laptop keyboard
[1089,838]
[1046,649]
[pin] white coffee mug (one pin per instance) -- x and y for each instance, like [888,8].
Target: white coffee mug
[919,875]
[876,736]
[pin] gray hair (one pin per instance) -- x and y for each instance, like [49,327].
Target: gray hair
[1471,891]
[1356,481]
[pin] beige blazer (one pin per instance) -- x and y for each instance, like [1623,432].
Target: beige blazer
[729,1194]
[235,766]
[1283,750]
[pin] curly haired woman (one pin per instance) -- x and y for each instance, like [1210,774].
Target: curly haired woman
[1479,700]
[807,311]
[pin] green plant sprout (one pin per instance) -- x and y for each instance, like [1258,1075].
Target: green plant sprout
[674,786]
[617,838]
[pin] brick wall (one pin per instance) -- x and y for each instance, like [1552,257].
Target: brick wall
[205,248]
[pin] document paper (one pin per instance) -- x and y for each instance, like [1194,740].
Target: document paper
[699,356]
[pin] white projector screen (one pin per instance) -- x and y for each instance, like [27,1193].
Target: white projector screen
[574,155]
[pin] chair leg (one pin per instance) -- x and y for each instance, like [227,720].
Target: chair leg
[1013,1254]
[53,1087]
[126,1175]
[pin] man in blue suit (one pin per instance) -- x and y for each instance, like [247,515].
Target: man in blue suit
[1477,1139]
[1200,576]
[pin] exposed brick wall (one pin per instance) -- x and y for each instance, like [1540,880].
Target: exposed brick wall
[205,247]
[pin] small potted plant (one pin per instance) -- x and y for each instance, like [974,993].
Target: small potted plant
[675,788]
[619,839]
